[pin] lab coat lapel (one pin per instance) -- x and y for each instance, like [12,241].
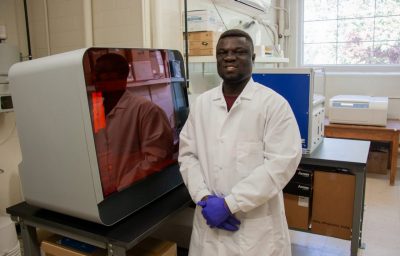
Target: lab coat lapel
[218,98]
[246,94]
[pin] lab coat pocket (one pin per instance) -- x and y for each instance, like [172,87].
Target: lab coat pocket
[201,233]
[256,237]
[249,156]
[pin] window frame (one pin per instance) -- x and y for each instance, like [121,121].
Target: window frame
[335,67]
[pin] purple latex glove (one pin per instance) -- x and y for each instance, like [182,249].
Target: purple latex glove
[203,202]
[230,224]
[215,211]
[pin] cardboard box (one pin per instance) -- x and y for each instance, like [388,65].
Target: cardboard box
[378,162]
[154,247]
[208,36]
[332,204]
[201,52]
[148,247]
[297,209]
[202,43]
[52,247]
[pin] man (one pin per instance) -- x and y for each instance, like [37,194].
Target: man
[135,139]
[239,148]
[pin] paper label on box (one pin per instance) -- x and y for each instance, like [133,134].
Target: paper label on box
[303,201]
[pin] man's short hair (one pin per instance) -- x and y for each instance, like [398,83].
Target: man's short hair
[237,33]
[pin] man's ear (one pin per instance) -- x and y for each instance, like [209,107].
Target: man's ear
[253,57]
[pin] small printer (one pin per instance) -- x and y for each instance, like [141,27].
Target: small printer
[358,109]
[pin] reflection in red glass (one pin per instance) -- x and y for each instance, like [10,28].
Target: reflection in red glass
[99,117]
[134,137]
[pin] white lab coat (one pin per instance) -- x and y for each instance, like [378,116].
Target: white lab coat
[246,155]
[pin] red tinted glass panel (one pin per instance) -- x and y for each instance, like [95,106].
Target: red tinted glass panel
[138,104]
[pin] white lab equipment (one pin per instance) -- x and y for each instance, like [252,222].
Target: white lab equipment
[60,107]
[9,55]
[358,109]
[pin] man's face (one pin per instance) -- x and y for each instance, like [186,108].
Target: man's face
[110,82]
[234,59]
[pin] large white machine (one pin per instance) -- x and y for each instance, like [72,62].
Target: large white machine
[358,109]
[60,103]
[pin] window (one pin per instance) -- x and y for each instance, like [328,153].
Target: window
[348,32]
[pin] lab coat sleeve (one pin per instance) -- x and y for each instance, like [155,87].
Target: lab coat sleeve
[282,154]
[190,167]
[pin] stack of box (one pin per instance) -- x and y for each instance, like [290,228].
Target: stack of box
[298,196]
[202,28]
[202,43]
[61,246]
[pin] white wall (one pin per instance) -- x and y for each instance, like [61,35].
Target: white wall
[56,26]
[38,28]
[166,24]
[65,19]
[63,25]
[121,23]
[12,16]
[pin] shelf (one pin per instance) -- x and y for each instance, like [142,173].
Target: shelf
[205,59]
[166,80]
[271,60]
[132,83]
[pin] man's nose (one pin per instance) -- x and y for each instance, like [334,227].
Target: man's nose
[230,55]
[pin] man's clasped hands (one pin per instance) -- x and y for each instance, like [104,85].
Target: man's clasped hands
[217,213]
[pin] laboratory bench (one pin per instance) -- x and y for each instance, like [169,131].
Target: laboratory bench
[117,239]
[388,133]
[348,157]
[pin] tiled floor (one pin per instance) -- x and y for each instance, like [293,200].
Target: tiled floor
[381,228]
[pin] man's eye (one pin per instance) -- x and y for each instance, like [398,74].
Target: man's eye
[241,52]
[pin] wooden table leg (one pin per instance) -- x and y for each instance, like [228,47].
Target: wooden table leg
[393,164]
